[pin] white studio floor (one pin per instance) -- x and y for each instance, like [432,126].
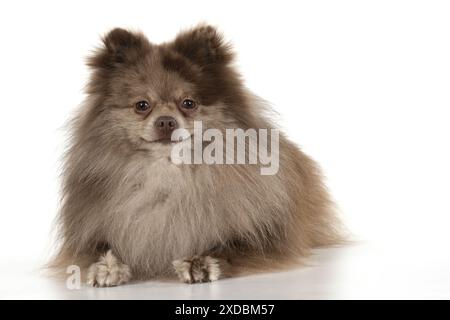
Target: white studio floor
[359,271]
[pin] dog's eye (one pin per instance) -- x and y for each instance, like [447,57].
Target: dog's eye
[142,106]
[188,104]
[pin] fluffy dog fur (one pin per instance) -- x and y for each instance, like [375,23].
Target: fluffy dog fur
[129,213]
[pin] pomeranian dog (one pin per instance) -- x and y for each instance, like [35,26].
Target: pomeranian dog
[131,213]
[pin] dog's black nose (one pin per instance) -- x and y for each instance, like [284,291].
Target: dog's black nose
[166,124]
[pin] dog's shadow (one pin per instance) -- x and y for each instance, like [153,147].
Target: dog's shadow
[321,277]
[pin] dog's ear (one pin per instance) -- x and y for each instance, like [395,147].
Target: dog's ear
[204,46]
[120,46]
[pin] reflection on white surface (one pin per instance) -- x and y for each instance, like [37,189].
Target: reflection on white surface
[360,271]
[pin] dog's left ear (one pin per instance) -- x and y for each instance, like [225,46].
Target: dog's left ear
[204,46]
[120,46]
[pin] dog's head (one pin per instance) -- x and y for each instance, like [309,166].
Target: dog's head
[144,91]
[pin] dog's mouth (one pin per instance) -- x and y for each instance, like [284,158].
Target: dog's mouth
[166,141]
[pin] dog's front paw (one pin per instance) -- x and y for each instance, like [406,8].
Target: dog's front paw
[197,269]
[108,272]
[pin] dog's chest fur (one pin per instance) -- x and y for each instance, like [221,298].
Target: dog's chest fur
[162,211]
[161,215]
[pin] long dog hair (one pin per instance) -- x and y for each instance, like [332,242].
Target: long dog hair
[121,193]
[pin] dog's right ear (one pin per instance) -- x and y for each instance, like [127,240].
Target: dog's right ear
[120,47]
[204,46]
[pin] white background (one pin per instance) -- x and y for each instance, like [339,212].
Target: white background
[362,86]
